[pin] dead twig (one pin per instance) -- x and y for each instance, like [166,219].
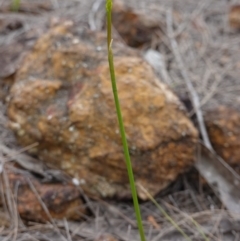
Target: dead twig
[11,154]
[45,209]
[192,91]
[91,17]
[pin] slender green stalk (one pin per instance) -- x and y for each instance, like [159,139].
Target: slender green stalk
[197,225]
[15,5]
[120,121]
[165,214]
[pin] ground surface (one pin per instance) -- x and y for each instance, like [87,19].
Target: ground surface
[211,54]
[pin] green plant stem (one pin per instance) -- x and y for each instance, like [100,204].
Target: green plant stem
[120,121]
[15,5]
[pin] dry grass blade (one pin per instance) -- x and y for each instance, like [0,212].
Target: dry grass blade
[94,25]
[184,73]
[197,225]
[46,210]
[222,178]
[11,155]
[67,230]
[175,225]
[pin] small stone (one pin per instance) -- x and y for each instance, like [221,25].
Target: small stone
[234,17]
[61,200]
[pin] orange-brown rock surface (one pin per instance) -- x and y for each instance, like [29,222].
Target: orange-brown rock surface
[60,200]
[62,98]
[224,132]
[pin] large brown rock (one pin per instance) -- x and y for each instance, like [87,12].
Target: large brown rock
[62,98]
[223,125]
